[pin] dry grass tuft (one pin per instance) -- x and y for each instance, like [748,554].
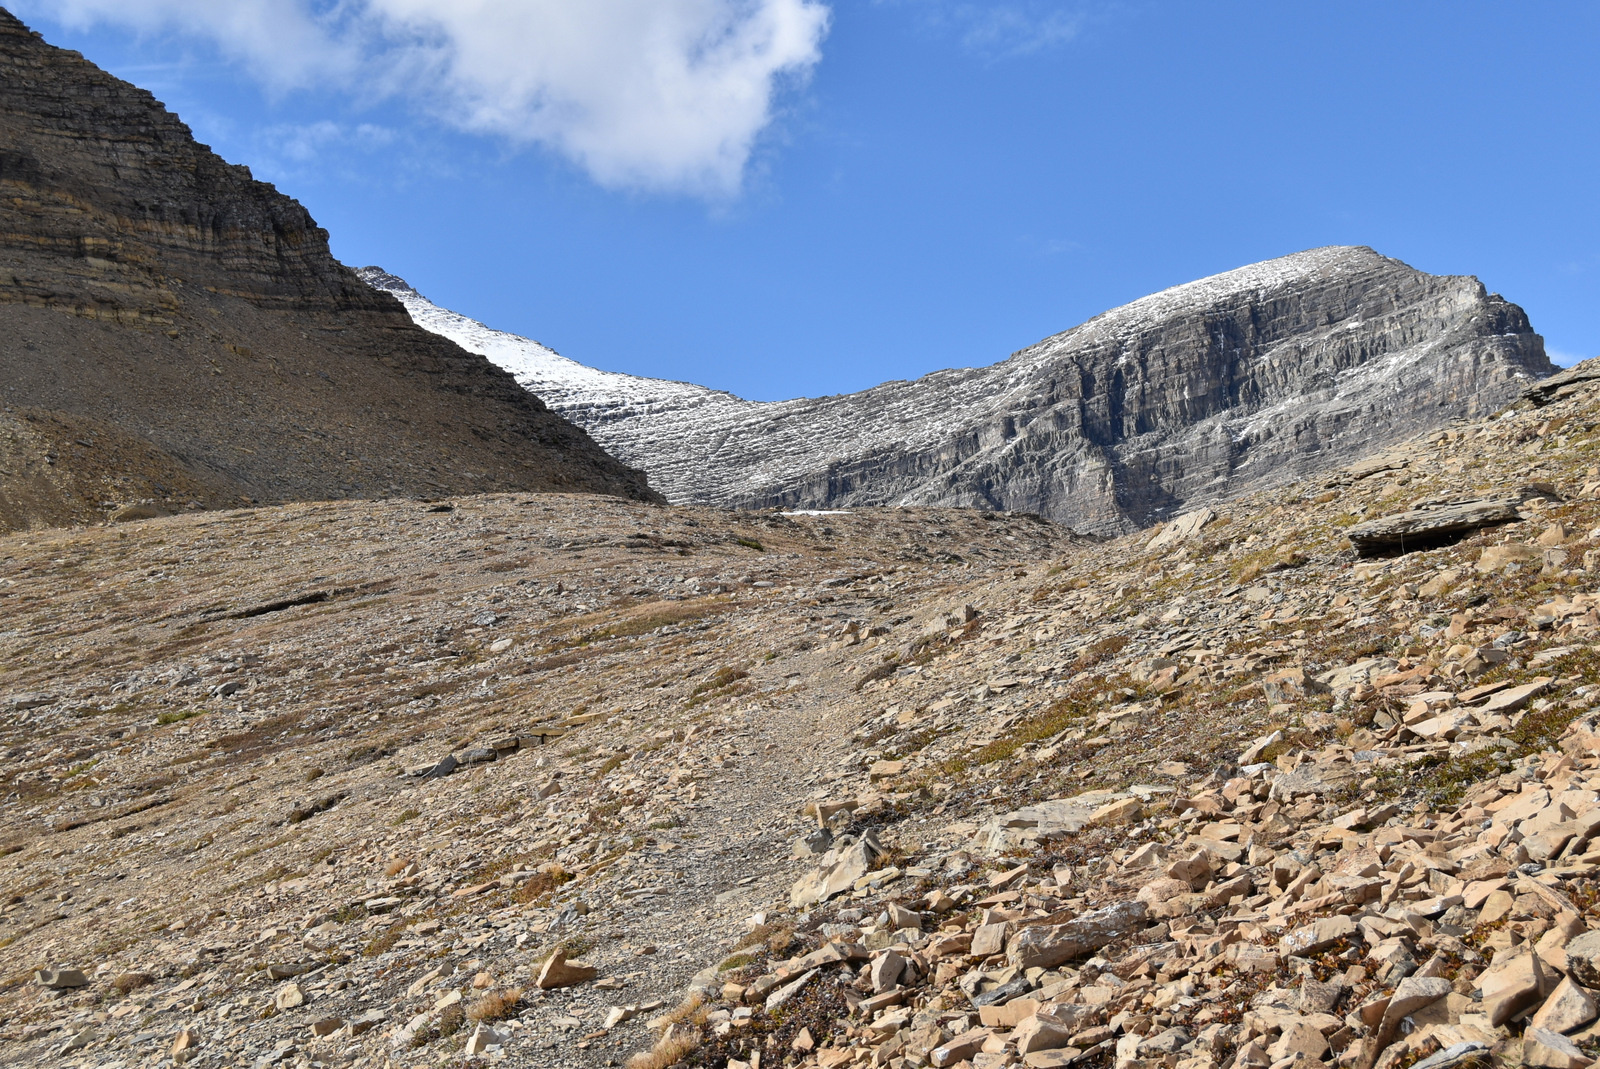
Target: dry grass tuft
[495,1005]
[668,1052]
[130,982]
[691,1010]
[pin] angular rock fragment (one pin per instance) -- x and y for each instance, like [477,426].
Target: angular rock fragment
[1551,1050]
[61,979]
[1429,526]
[1047,946]
[557,971]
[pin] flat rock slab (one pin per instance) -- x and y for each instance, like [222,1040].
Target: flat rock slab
[61,979]
[1563,383]
[1431,525]
[1028,825]
[1047,946]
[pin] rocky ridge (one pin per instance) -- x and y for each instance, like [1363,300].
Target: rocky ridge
[889,787]
[1182,399]
[174,332]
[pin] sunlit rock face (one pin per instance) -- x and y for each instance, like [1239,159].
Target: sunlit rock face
[1187,397]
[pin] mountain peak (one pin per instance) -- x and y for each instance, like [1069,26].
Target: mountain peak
[1186,397]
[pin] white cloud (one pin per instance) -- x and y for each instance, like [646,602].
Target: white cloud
[656,94]
[281,42]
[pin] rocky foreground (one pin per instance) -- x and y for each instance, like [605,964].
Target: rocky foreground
[567,781]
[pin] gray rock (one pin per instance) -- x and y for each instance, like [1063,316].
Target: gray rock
[1185,398]
[1583,958]
[1047,946]
[1453,1055]
[1029,825]
[61,979]
[443,768]
[1431,525]
[1563,383]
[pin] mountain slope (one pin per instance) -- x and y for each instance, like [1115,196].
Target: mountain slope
[172,329]
[1187,397]
[1305,785]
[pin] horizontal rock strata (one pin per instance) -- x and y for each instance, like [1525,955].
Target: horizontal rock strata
[173,331]
[1185,398]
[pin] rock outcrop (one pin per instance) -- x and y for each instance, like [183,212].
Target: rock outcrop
[1184,398]
[173,330]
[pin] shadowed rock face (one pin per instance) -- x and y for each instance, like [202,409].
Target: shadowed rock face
[172,329]
[1187,397]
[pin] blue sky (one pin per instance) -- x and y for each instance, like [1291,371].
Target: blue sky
[921,183]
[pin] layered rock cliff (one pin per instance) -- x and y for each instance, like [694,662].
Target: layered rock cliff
[172,329]
[1184,398]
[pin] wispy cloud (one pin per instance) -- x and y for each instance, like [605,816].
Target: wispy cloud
[1002,29]
[306,143]
[664,95]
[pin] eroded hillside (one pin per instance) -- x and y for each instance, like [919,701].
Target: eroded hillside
[343,784]
[176,335]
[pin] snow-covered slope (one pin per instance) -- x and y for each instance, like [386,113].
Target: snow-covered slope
[1184,397]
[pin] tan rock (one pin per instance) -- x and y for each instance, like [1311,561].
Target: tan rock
[1008,1015]
[1300,1039]
[184,1045]
[1551,1050]
[1040,1032]
[1122,811]
[558,972]
[1513,984]
[1514,698]
[882,770]
[988,939]
[1568,1008]
[61,979]
[1494,558]
[288,997]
